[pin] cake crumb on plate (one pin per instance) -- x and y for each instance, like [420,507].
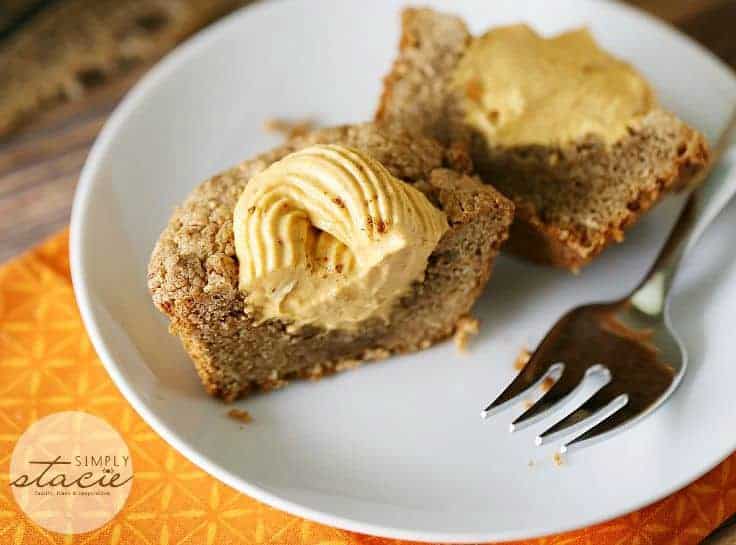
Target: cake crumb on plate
[240,415]
[289,129]
[466,327]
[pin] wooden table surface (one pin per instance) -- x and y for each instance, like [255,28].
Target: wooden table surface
[40,163]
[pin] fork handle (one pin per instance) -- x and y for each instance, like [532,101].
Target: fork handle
[702,207]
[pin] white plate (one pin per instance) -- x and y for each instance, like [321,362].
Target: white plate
[396,448]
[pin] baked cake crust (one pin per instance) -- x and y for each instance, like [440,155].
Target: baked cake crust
[193,272]
[605,190]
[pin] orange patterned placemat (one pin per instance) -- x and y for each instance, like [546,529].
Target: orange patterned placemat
[47,364]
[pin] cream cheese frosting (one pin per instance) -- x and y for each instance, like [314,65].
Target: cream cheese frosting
[328,237]
[520,88]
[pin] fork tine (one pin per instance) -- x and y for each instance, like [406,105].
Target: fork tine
[616,420]
[639,402]
[600,406]
[552,399]
[533,374]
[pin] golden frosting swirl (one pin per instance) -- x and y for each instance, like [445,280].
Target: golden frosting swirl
[327,236]
[520,88]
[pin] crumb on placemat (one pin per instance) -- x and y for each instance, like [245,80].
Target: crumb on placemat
[240,415]
[289,129]
[522,359]
[466,328]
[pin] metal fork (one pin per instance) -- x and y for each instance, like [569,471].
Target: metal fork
[628,347]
